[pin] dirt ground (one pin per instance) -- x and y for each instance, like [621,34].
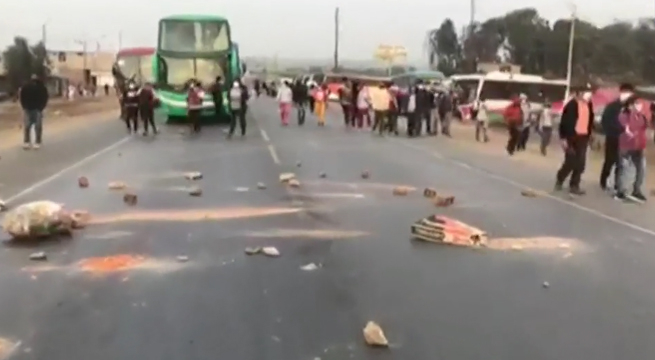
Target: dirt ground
[60,116]
[464,134]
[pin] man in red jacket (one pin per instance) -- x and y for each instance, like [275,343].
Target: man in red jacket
[513,118]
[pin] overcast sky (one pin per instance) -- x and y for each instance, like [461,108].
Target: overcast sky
[290,28]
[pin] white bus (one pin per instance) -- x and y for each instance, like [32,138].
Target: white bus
[497,88]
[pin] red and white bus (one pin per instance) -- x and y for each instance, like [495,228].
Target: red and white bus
[135,63]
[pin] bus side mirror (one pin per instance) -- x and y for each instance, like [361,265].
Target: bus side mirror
[244,68]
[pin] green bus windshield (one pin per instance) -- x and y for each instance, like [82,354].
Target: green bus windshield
[180,70]
[190,36]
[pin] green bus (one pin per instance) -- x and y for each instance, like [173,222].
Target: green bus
[192,47]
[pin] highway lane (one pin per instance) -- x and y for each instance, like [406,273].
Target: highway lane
[20,169]
[433,302]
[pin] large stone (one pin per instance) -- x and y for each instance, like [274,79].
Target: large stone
[293,183]
[270,251]
[195,191]
[374,335]
[366,174]
[430,193]
[401,190]
[444,201]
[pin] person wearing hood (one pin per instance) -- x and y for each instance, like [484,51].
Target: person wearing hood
[33,98]
[575,129]
[513,115]
[632,144]
[131,104]
[194,100]
[612,129]
[238,100]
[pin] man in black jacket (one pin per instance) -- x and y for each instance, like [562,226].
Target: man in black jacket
[575,129]
[299,92]
[33,99]
[612,130]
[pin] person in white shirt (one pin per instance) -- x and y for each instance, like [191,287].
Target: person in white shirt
[479,115]
[363,107]
[285,99]
[545,127]
[527,123]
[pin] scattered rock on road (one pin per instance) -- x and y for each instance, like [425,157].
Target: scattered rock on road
[366,174]
[38,256]
[310,267]
[298,164]
[261,186]
[429,193]
[444,201]
[182,258]
[270,251]
[130,198]
[546,285]
[253,250]
[374,336]
[83,182]
[285,177]
[294,183]
[117,185]
[401,190]
[529,193]
[195,191]
[193,175]
[322,175]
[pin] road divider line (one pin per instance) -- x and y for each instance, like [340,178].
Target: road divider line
[520,185]
[264,135]
[68,168]
[271,149]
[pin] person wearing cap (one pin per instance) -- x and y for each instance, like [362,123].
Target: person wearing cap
[575,129]
[612,129]
[632,144]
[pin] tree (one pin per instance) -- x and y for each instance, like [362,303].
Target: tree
[444,49]
[621,51]
[21,61]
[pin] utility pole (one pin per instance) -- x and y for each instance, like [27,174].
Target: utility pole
[569,61]
[336,39]
[44,34]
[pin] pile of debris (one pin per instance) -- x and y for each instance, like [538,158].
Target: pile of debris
[445,230]
[40,219]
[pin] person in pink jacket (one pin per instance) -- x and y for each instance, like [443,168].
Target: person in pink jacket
[632,144]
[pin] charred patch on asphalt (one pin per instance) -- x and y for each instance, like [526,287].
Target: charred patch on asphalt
[193,215]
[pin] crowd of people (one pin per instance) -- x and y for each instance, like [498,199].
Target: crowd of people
[623,124]
[378,107]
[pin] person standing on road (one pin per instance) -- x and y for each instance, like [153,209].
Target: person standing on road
[524,136]
[147,102]
[320,103]
[479,116]
[195,97]
[545,127]
[380,99]
[299,94]
[310,97]
[217,98]
[514,119]
[285,99]
[131,104]
[363,106]
[612,129]
[575,129]
[238,100]
[33,99]
[411,113]
[392,124]
[346,100]
[632,143]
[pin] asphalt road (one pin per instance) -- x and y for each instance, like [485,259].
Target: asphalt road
[434,302]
